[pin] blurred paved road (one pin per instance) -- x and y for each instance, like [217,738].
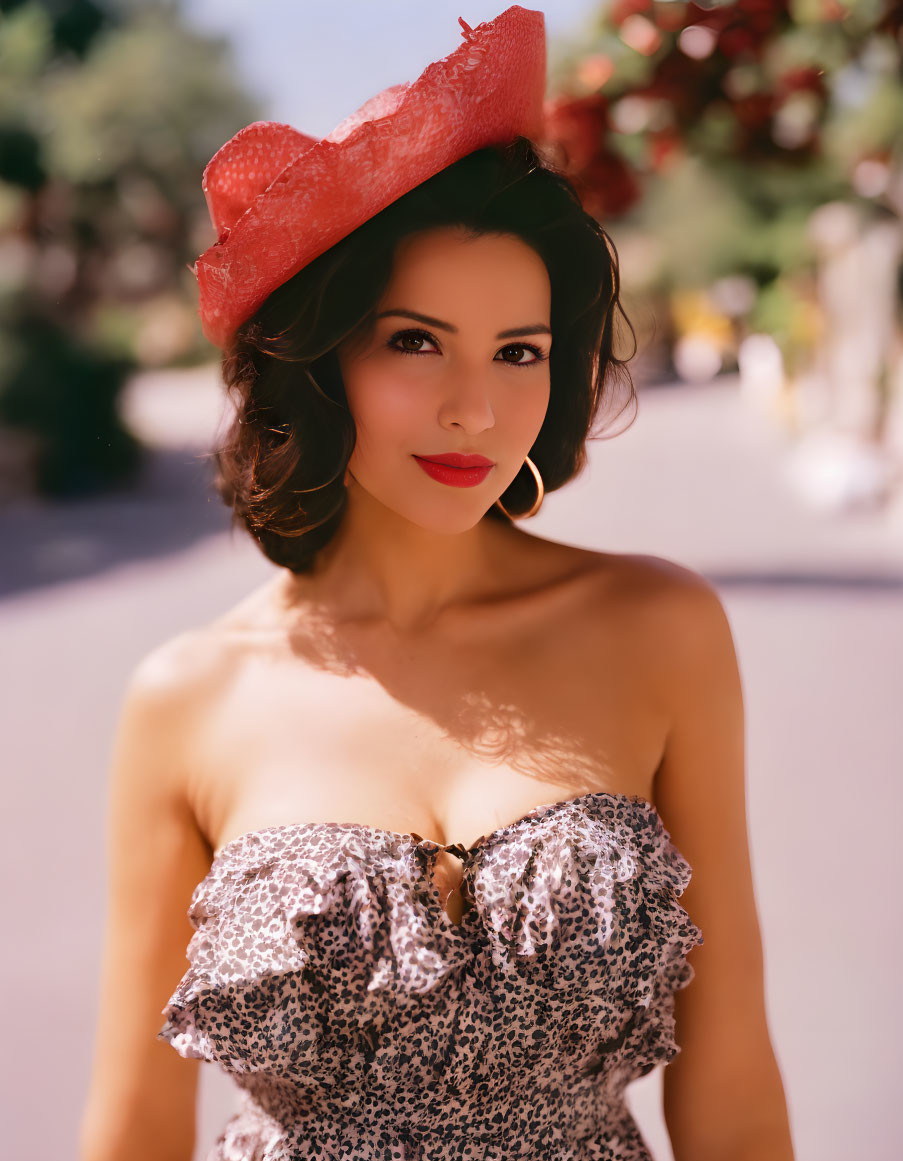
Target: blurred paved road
[816,604]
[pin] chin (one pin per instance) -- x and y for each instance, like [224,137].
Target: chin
[449,515]
[451,525]
[449,520]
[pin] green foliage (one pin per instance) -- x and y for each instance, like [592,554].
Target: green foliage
[26,48]
[152,94]
[108,115]
[66,391]
[693,247]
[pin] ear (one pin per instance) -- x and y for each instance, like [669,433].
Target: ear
[246,166]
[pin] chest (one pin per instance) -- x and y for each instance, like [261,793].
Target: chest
[447,736]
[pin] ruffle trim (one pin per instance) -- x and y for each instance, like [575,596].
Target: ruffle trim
[276,901]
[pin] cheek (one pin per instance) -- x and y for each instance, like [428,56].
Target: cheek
[385,410]
[525,409]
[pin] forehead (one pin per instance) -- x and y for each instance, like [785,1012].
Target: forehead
[448,264]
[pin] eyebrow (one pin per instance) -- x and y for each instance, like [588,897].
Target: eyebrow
[530,329]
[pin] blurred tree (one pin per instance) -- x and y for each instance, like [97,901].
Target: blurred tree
[711,132]
[108,114]
[67,392]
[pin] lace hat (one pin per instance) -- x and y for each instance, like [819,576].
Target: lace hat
[278,198]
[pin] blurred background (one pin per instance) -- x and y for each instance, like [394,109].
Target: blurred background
[747,159]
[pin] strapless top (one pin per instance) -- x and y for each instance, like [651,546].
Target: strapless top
[359,1021]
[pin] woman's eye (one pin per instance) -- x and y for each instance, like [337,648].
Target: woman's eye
[521,347]
[410,336]
[421,337]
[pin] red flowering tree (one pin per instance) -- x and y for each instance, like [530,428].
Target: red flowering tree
[717,128]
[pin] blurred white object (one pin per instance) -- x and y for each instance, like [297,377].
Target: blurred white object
[761,367]
[735,295]
[697,359]
[871,177]
[177,407]
[835,471]
[697,41]
[858,261]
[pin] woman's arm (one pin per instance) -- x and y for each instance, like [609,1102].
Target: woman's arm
[141,1099]
[723,1095]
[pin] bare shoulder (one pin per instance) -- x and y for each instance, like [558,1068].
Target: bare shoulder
[663,589]
[668,616]
[658,575]
[170,692]
[687,601]
[181,672]
[684,609]
[181,666]
[684,628]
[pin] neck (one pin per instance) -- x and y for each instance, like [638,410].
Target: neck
[382,569]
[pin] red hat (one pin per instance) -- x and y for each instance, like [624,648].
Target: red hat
[278,198]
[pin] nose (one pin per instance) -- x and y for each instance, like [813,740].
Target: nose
[467,403]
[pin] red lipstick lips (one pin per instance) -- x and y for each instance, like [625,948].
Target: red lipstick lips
[456,469]
[458,460]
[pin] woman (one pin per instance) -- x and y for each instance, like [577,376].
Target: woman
[304,769]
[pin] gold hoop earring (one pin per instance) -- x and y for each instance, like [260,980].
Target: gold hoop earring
[540,492]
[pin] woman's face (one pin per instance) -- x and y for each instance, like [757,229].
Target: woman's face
[470,375]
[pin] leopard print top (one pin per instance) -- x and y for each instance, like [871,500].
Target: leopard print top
[360,1021]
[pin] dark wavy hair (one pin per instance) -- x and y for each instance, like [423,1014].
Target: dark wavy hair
[281,463]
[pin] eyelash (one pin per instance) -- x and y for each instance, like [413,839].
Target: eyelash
[539,357]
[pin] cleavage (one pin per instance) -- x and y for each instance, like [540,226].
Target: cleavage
[447,873]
